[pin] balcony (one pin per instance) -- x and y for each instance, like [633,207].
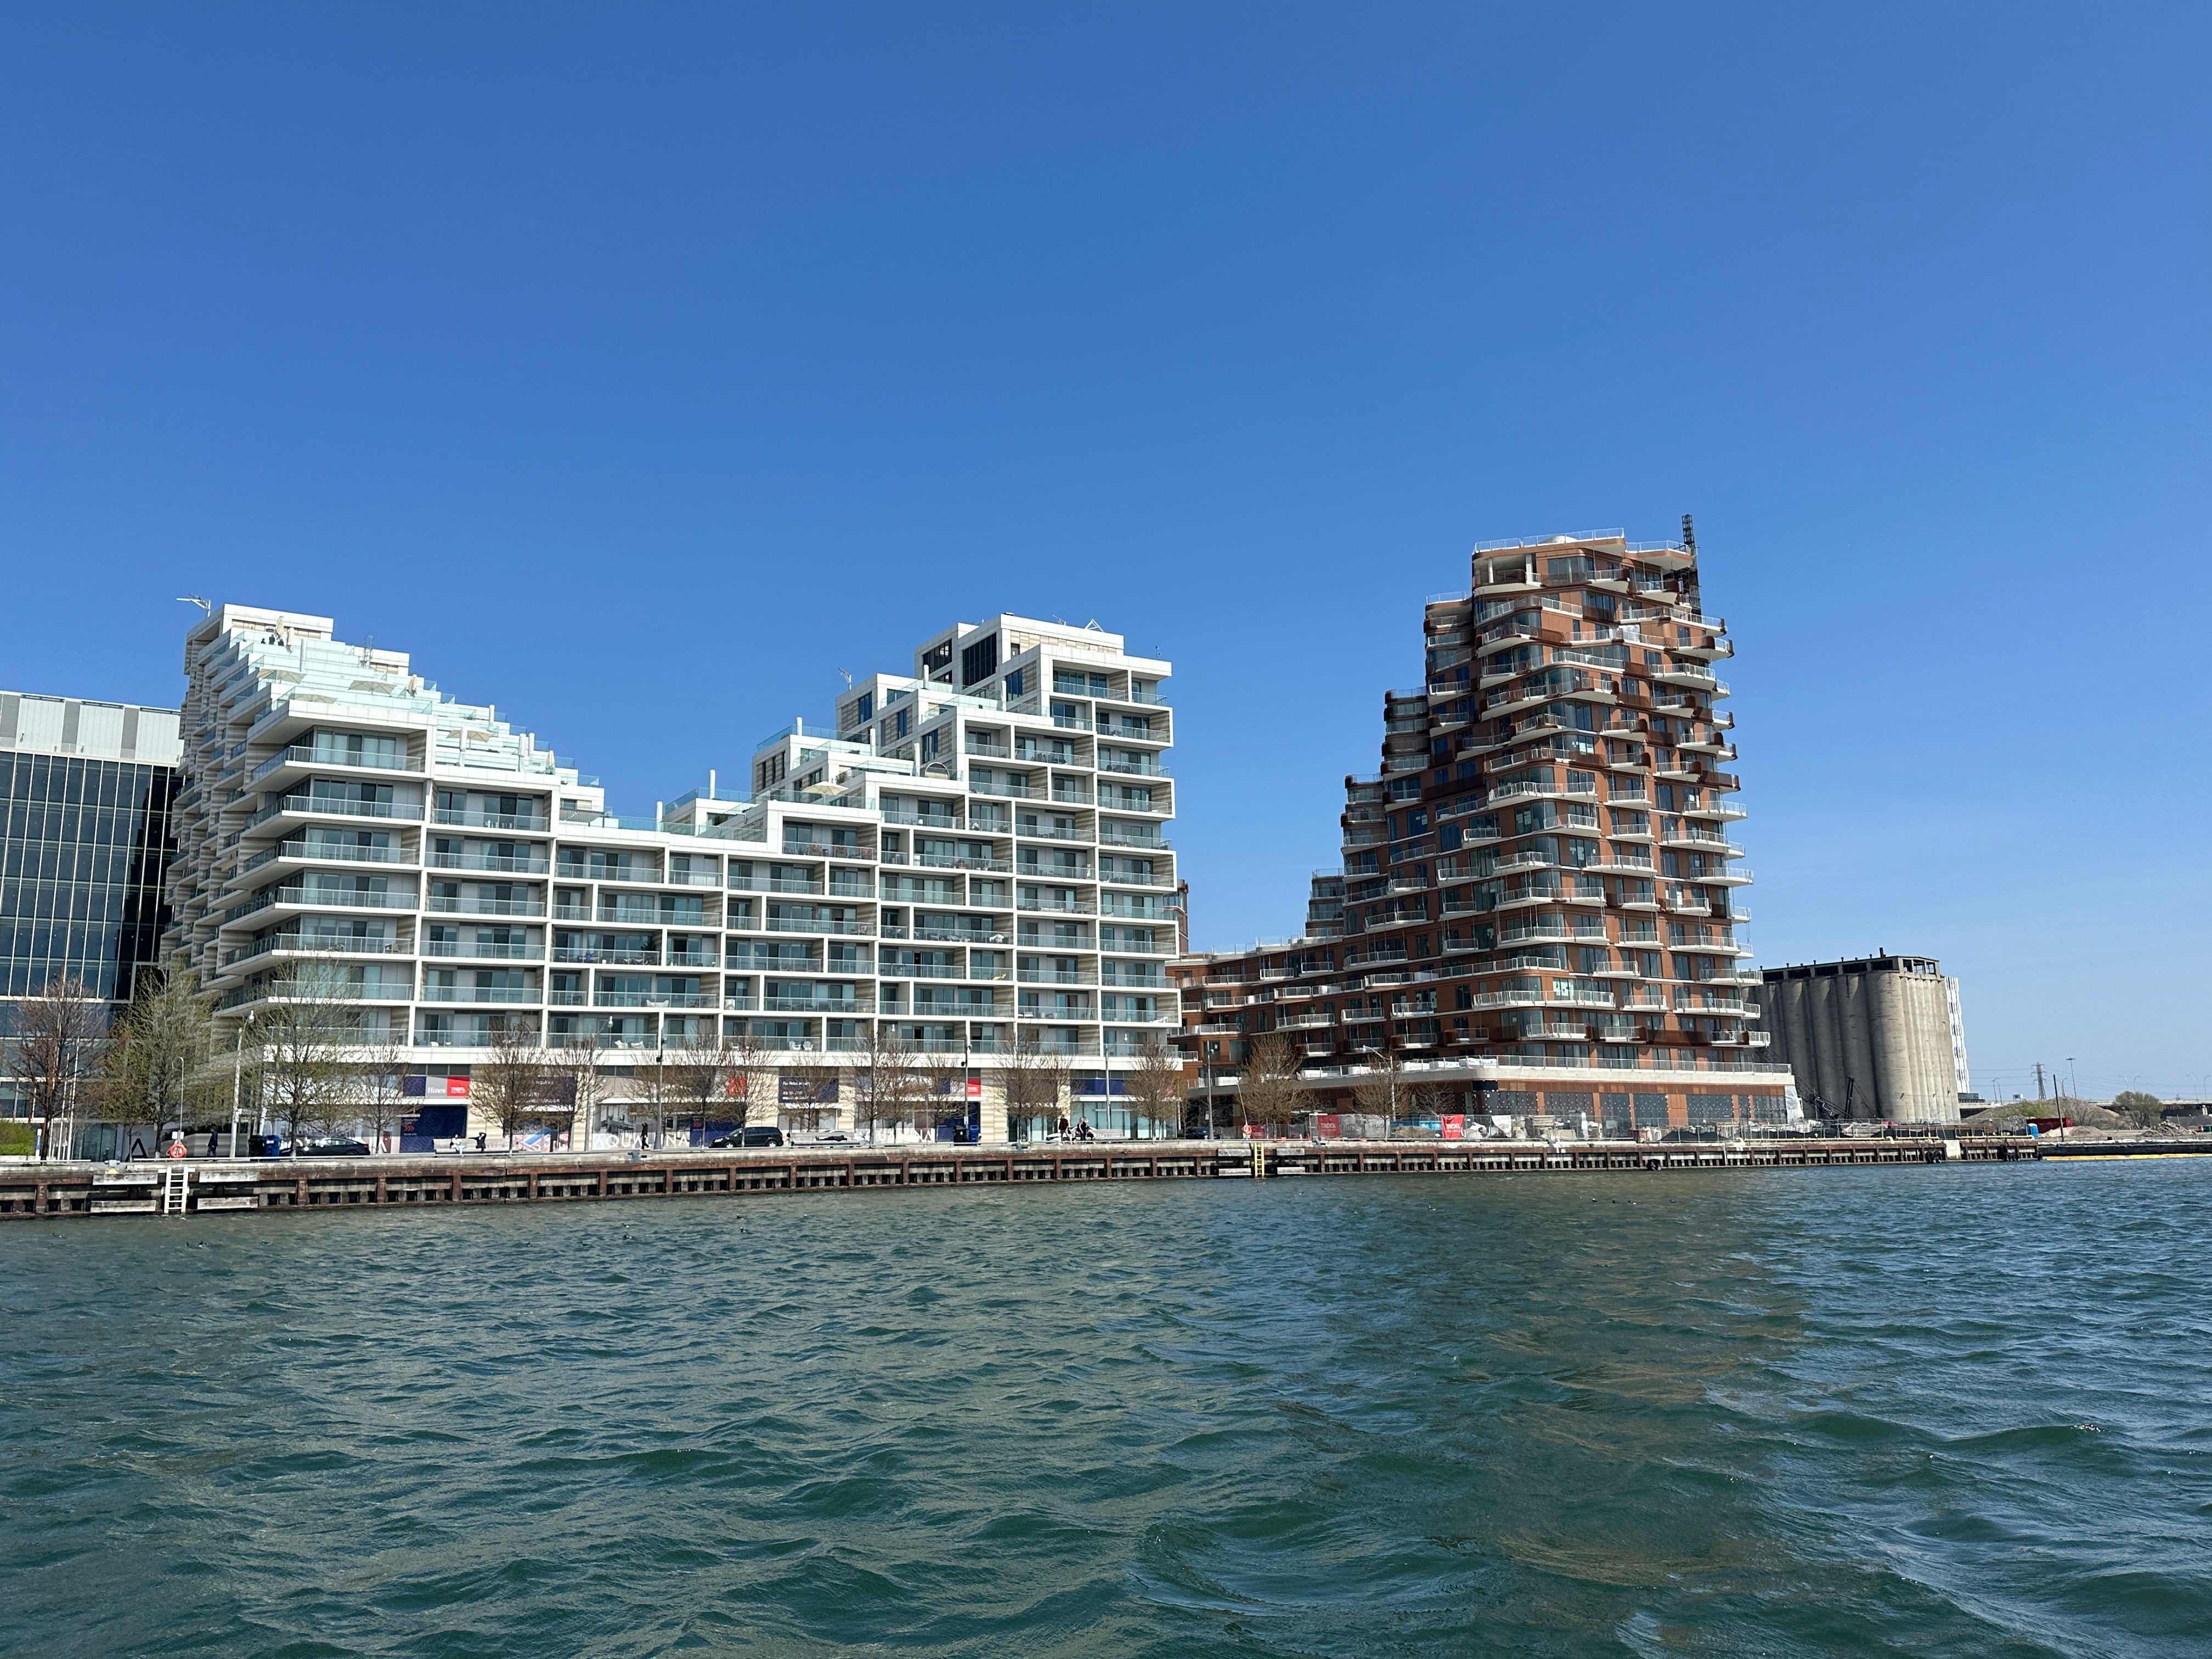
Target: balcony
[1145,768]
[1052,874]
[331,944]
[1057,976]
[851,851]
[919,970]
[322,898]
[1076,904]
[527,865]
[507,993]
[1704,843]
[788,925]
[335,806]
[965,861]
[313,755]
[446,947]
[1524,861]
[305,852]
[656,998]
[642,874]
[486,907]
[950,935]
[1123,878]
[528,823]
[1157,735]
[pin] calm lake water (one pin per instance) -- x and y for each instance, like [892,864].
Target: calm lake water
[1944,1412]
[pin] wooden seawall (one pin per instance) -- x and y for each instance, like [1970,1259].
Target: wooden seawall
[299,1185]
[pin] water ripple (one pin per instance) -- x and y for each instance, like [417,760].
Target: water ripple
[1952,1412]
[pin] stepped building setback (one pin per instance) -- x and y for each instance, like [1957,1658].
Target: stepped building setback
[974,858]
[1538,904]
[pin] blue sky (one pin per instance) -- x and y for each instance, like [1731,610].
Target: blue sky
[637,368]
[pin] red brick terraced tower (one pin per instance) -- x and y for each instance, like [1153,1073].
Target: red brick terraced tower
[1539,893]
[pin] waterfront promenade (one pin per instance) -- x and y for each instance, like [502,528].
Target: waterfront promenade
[427,1180]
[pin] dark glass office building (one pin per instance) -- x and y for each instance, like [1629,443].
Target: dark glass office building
[85,795]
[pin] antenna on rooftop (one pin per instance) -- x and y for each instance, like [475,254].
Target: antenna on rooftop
[847,674]
[1689,535]
[194,598]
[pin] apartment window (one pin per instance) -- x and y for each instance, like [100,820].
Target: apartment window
[1014,684]
[979,660]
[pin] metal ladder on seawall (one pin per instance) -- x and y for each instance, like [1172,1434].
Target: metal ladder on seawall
[176,1185]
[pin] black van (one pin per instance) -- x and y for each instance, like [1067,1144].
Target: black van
[765,1136]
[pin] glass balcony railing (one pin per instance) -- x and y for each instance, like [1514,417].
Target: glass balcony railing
[337,806]
[522,866]
[469,818]
[301,754]
[485,907]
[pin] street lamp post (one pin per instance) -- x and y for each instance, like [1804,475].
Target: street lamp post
[237,1079]
[660,1004]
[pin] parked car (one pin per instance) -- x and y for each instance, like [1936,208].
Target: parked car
[332,1147]
[766,1135]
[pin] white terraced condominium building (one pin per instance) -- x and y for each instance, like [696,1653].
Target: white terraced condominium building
[975,860]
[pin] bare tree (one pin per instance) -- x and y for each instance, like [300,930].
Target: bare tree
[1431,1100]
[887,1078]
[1382,1091]
[698,1073]
[576,1075]
[752,1073]
[1268,1090]
[511,1086]
[157,1065]
[305,1035]
[1036,1077]
[814,1083]
[380,1087]
[56,1030]
[940,1091]
[1158,1083]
